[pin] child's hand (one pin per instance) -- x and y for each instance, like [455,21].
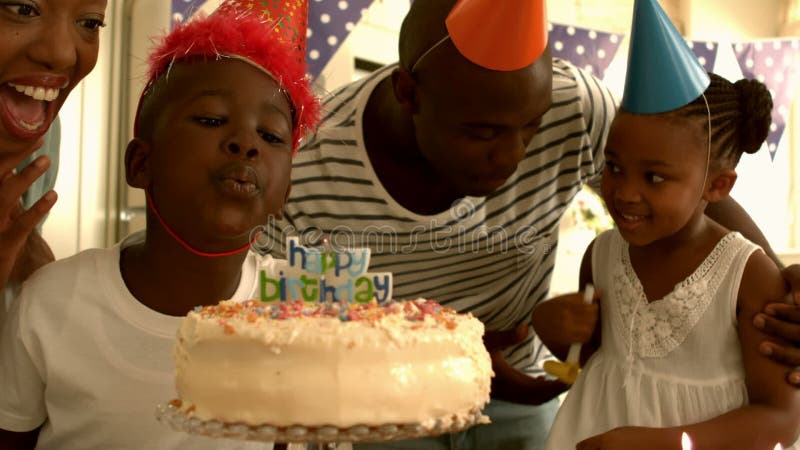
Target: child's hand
[627,438]
[566,320]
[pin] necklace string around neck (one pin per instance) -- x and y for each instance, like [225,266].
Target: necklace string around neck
[188,246]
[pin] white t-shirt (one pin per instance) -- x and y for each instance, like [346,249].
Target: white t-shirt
[80,355]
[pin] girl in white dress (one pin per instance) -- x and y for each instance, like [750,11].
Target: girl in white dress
[678,293]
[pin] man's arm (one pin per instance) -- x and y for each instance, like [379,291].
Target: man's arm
[511,384]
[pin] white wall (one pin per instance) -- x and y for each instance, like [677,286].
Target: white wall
[375,36]
[146,20]
[764,185]
[85,179]
[733,19]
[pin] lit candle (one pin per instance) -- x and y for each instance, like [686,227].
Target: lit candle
[326,251]
[686,443]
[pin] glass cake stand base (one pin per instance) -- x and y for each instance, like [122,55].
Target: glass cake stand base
[325,438]
[304,446]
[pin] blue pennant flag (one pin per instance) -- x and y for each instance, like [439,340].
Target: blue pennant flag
[775,63]
[184,9]
[706,53]
[329,24]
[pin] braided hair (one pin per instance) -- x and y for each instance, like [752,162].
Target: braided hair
[741,114]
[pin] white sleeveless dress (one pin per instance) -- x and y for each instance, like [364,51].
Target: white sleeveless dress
[665,363]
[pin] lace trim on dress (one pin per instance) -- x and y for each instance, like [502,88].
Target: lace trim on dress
[653,329]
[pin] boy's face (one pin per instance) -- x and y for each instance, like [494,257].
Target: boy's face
[46,48]
[221,152]
[653,179]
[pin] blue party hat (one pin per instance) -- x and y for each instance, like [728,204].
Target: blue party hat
[663,72]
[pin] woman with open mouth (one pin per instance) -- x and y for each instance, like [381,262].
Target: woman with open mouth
[46,48]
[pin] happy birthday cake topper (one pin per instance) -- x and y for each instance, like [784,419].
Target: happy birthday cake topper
[322,275]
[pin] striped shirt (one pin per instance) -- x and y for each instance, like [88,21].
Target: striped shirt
[492,256]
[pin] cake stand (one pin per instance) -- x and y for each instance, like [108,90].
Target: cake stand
[325,438]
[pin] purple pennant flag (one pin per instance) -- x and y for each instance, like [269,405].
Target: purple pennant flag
[775,63]
[184,9]
[588,49]
[329,23]
[706,53]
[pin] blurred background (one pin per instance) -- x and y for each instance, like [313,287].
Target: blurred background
[350,38]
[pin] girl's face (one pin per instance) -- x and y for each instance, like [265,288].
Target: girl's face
[221,152]
[654,176]
[46,48]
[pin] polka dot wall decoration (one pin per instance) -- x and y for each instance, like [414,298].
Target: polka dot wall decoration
[706,53]
[775,63]
[183,9]
[329,24]
[591,50]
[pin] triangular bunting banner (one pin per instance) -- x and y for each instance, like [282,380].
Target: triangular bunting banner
[184,9]
[775,63]
[329,24]
[706,53]
[589,49]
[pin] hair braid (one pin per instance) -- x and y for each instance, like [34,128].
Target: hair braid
[740,116]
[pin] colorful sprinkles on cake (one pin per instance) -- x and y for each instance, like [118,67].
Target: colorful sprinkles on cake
[416,311]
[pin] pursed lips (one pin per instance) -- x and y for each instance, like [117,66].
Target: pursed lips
[239,178]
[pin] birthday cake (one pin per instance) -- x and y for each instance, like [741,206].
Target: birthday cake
[332,364]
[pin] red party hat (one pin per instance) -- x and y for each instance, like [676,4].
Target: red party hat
[289,17]
[239,29]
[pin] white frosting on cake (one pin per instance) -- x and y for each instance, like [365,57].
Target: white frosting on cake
[311,365]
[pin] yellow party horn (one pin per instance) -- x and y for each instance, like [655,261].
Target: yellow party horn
[567,371]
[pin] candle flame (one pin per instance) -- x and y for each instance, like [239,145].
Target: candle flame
[778,446]
[686,443]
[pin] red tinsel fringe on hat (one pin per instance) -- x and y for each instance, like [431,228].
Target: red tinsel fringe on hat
[240,33]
